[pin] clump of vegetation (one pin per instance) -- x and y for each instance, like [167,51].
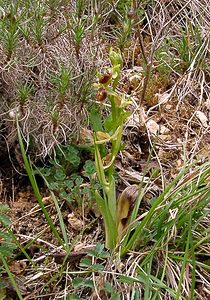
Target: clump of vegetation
[7,244]
[47,69]
[67,174]
[7,247]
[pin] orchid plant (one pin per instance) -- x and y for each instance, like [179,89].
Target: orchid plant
[107,89]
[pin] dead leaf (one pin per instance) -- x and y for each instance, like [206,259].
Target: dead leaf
[102,136]
[163,97]
[202,117]
[165,137]
[132,176]
[85,136]
[179,163]
[168,107]
[207,103]
[125,204]
[75,223]
[152,126]
[18,267]
[164,129]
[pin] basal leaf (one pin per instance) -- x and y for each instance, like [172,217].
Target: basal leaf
[4,220]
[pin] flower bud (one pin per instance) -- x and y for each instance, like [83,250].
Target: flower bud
[115,57]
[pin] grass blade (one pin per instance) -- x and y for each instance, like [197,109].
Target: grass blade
[11,277]
[35,186]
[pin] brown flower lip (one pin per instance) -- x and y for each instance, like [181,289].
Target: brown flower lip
[105,78]
[101,95]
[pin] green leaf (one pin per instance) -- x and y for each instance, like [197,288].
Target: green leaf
[95,120]
[86,190]
[85,262]
[72,155]
[54,186]
[64,195]
[6,236]
[47,171]
[60,174]
[97,267]
[4,220]
[2,285]
[125,115]
[69,184]
[99,251]
[110,225]
[6,249]
[97,186]
[108,124]
[78,281]
[35,188]
[4,208]
[112,199]
[69,199]
[104,254]
[52,161]
[99,248]
[115,296]
[127,279]
[108,287]
[136,294]
[100,170]
[79,180]
[89,168]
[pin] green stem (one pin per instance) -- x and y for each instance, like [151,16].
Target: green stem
[114,114]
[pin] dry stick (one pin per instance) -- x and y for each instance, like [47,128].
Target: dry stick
[149,62]
[135,6]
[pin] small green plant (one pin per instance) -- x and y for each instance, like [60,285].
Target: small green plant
[9,25]
[7,244]
[24,91]
[185,51]
[94,263]
[7,247]
[63,175]
[60,83]
[39,23]
[124,33]
[77,24]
